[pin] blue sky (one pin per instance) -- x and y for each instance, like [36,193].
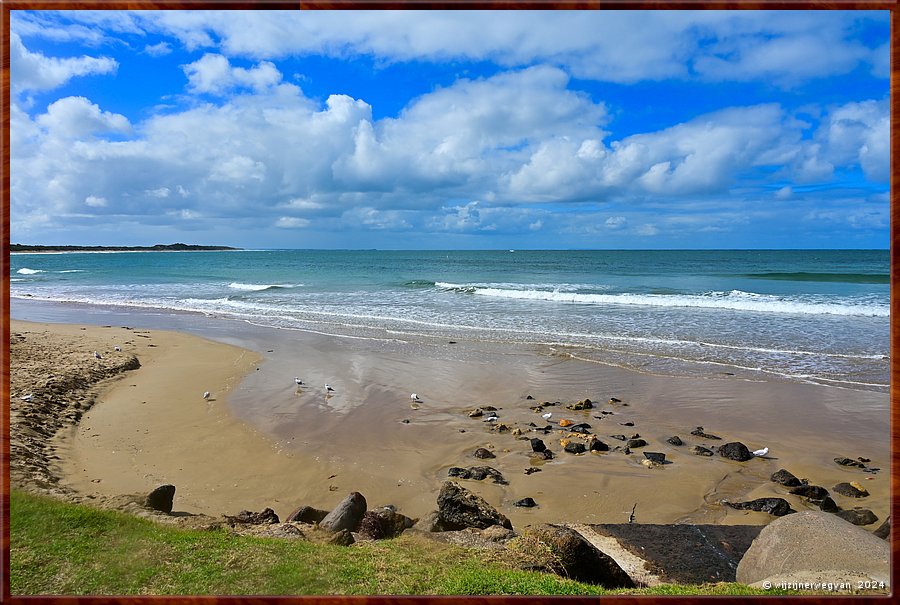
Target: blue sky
[405,129]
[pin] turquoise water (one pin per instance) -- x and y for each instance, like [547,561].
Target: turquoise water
[815,316]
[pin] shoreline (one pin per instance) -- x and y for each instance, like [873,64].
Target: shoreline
[359,437]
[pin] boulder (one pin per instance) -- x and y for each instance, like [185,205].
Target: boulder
[813,492]
[698,432]
[827,505]
[813,541]
[565,552]
[459,508]
[306,514]
[595,445]
[699,450]
[655,457]
[850,490]
[785,478]
[575,447]
[383,523]
[857,516]
[525,503]
[477,473]
[266,516]
[342,538]
[484,453]
[675,440]
[735,451]
[634,443]
[774,506]
[884,530]
[537,445]
[161,498]
[346,515]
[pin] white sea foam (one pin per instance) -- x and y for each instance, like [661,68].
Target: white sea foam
[27,271]
[71,271]
[259,287]
[735,300]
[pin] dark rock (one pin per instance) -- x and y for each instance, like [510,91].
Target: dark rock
[858,516]
[346,515]
[537,445]
[735,451]
[532,469]
[675,440]
[657,457]
[629,423]
[700,433]
[813,492]
[342,538]
[477,473]
[884,530]
[827,505]
[584,404]
[615,400]
[484,453]
[861,459]
[785,478]
[525,503]
[265,517]
[489,408]
[595,445]
[634,443]
[579,429]
[459,508]
[774,506]
[161,498]
[565,552]
[849,462]
[383,523]
[306,514]
[619,437]
[699,450]
[545,455]
[529,398]
[849,490]
[575,447]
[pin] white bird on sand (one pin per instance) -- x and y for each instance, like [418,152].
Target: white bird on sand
[298,381]
[547,415]
[414,397]
[97,355]
[206,394]
[328,389]
[761,452]
[118,348]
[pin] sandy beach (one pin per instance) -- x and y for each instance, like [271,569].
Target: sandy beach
[260,441]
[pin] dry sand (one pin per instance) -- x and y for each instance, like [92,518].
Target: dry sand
[261,442]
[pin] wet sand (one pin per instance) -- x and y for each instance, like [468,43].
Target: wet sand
[261,442]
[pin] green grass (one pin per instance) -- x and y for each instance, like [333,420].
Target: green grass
[59,548]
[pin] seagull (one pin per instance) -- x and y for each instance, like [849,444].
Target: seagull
[761,452]
[97,355]
[118,348]
[414,397]
[547,415]
[299,382]
[206,395]
[329,389]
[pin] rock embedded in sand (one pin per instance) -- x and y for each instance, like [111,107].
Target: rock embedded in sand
[595,445]
[619,437]
[774,506]
[675,440]
[849,462]
[850,490]
[544,455]
[484,453]
[161,498]
[478,473]
[635,443]
[537,445]
[699,450]
[532,469]
[565,422]
[858,516]
[459,508]
[476,413]
[735,451]
[346,515]
[573,447]
[785,478]
[525,503]
[656,457]
[584,404]
[699,432]
[813,492]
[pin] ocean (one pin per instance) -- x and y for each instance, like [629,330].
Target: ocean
[819,316]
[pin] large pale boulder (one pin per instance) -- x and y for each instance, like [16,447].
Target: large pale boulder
[804,545]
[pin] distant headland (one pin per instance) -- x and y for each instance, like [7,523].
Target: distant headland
[156,248]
